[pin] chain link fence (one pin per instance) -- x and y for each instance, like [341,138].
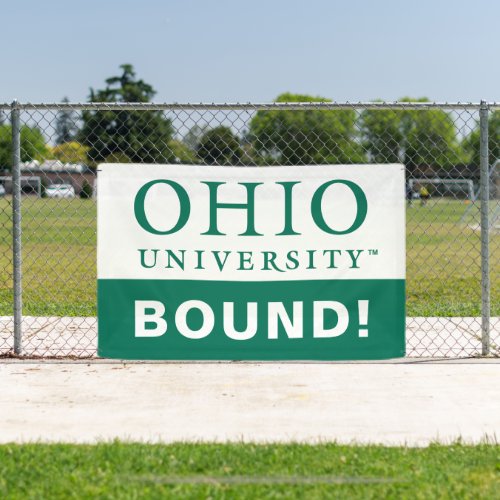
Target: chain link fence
[48,190]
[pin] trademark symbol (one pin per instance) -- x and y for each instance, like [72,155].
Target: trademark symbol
[373,251]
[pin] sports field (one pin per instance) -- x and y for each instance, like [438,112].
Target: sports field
[117,470]
[59,259]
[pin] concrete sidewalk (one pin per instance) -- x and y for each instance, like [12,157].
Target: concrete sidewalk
[388,403]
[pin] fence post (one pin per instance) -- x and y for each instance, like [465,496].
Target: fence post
[485,229]
[16,224]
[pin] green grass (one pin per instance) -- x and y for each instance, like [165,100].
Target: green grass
[117,470]
[59,259]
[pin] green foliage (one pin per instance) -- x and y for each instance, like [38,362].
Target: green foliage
[33,145]
[43,186]
[5,147]
[71,152]
[117,157]
[182,152]
[66,127]
[415,138]
[193,136]
[142,136]
[305,137]
[219,146]
[471,142]
[383,135]
[431,139]
[86,191]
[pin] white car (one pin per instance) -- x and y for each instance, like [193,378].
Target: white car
[60,191]
[2,190]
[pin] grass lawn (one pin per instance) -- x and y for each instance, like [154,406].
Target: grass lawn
[117,470]
[59,259]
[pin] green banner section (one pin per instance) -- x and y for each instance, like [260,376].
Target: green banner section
[230,320]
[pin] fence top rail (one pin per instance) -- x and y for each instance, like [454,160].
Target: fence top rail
[293,106]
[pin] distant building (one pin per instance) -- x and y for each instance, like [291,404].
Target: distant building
[53,166]
[58,172]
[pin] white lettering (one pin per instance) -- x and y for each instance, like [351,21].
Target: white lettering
[181,319]
[141,318]
[251,328]
[319,330]
[293,329]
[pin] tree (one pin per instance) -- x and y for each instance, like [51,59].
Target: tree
[33,145]
[413,137]
[382,133]
[306,137]
[142,136]
[182,153]
[117,158]
[471,143]
[86,191]
[66,126]
[193,136]
[219,146]
[71,152]
[431,139]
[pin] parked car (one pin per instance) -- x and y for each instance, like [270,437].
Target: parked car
[2,190]
[60,191]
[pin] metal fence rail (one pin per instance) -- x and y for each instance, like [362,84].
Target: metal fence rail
[48,242]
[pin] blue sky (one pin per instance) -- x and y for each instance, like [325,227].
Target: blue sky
[228,51]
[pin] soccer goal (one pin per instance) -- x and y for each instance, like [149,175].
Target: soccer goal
[471,215]
[440,188]
[30,184]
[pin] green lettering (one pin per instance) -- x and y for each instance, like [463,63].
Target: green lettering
[179,261]
[245,258]
[354,258]
[249,206]
[143,251]
[317,213]
[311,259]
[332,257]
[269,258]
[220,262]
[199,257]
[292,257]
[288,229]
[140,213]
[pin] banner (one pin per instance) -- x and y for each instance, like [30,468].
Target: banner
[251,263]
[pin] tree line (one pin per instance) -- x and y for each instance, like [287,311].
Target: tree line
[276,137]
